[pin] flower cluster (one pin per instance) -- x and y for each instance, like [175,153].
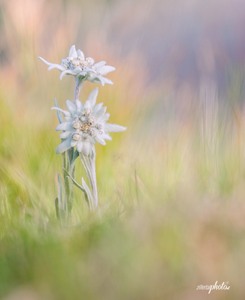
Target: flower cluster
[84,125]
[85,68]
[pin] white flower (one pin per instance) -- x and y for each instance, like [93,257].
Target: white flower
[78,65]
[84,125]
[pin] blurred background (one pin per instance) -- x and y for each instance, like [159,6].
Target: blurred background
[172,211]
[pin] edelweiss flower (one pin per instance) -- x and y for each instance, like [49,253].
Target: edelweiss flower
[77,65]
[84,125]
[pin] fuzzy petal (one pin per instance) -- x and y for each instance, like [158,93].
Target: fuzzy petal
[71,106]
[66,113]
[67,72]
[73,52]
[106,80]
[87,105]
[51,65]
[114,128]
[45,61]
[59,116]
[99,64]
[80,54]
[103,117]
[77,70]
[107,137]
[55,66]
[97,108]
[65,134]
[93,96]
[106,69]
[83,73]
[97,79]
[79,105]
[100,79]
[64,126]
[64,146]
[86,148]
[100,140]
[80,146]
[73,143]
[100,113]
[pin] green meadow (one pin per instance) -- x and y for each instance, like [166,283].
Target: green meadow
[171,212]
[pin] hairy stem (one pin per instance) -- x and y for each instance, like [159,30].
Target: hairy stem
[89,165]
[79,186]
[78,86]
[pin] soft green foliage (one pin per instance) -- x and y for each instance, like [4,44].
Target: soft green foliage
[171,214]
[172,211]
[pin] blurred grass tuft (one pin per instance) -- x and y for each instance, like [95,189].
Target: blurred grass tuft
[171,188]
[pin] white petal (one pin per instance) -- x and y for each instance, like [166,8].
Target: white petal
[91,71]
[66,72]
[103,117]
[45,61]
[83,73]
[80,54]
[69,118]
[73,52]
[106,69]
[107,137]
[73,143]
[66,113]
[55,66]
[87,105]
[86,148]
[100,79]
[77,70]
[71,106]
[97,107]
[100,113]
[65,134]
[79,105]
[114,128]
[64,146]
[97,79]
[99,64]
[93,96]
[106,80]
[64,126]
[79,146]
[100,140]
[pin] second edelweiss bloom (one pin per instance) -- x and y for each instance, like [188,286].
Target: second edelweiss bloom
[85,68]
[84,125]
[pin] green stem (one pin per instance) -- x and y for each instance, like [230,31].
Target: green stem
[68,167]
[80,187]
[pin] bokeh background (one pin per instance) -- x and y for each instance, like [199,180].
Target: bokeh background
[172,211]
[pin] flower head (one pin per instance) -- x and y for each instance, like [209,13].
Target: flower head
[85,68]
[84,125]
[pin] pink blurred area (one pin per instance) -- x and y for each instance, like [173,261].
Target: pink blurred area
[189,40]
[164,51]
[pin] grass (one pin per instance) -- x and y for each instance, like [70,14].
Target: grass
[171,188]
[171,210]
